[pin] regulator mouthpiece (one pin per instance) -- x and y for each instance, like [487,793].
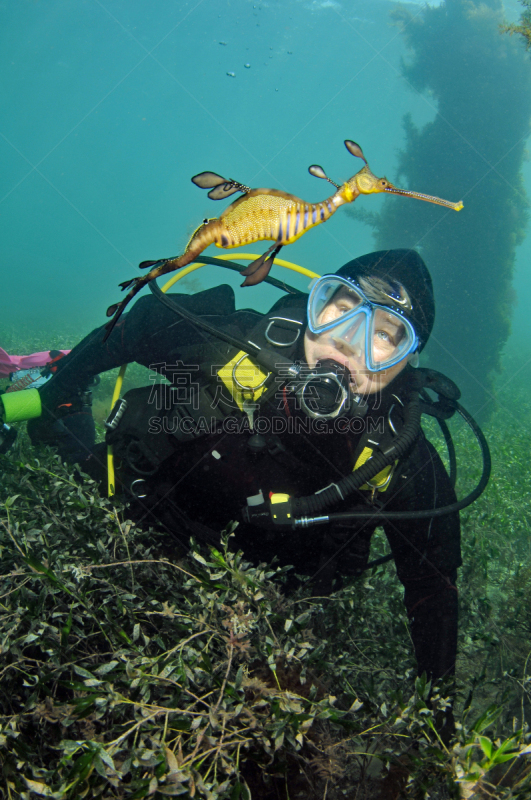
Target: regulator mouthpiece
[325,392]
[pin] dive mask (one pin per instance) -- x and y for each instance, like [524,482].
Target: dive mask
[381,334]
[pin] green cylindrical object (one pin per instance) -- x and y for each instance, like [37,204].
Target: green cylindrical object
[18,406]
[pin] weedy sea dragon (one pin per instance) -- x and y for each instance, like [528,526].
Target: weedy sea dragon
[263,214]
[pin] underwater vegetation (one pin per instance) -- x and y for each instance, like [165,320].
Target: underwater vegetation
[479,81]
[524,28]
[128,670]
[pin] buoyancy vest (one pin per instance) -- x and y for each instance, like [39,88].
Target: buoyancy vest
[209,383]
[214,387]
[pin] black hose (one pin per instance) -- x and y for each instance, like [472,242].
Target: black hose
[449,442]
[450,393]
[315,503]
[232,265]
[380,515]
[272,361]
[194,318]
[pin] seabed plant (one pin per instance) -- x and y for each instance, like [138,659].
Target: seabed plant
[129,669]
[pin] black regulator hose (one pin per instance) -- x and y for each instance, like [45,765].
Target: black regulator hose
[381,515]
[315,503]
[194,318]
[270,359]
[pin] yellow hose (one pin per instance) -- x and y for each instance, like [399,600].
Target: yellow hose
[182,273]
[110,457]
[243,257]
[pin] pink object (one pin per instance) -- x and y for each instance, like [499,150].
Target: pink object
[15,363]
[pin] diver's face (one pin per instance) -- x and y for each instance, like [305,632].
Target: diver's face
[387,333]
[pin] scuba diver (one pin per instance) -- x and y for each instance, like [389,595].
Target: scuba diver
[302,423]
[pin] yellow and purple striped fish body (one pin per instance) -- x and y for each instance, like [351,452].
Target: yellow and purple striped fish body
[260,215]
[272,215]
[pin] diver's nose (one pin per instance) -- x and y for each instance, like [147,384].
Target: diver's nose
[349,338]
[350,349]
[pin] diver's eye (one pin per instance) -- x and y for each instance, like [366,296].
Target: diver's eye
[384,336]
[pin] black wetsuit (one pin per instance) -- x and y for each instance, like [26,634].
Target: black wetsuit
[199,485]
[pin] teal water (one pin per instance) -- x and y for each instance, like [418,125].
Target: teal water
[108,108]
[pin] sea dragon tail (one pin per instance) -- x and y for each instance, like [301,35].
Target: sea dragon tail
[200,239]
[158,268]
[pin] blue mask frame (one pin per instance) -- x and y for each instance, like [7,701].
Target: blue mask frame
[345,327]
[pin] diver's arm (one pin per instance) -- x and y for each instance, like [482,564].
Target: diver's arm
[149,334]
[422,483]
[427,554]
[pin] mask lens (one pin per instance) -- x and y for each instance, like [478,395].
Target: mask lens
[330,299]
[391,338]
